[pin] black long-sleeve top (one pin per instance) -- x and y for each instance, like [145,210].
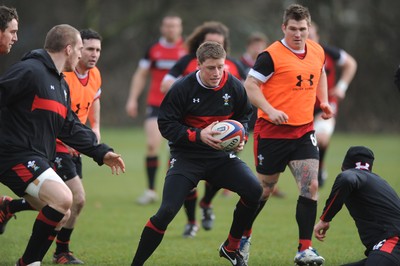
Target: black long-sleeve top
[371,201]
[189,107]
[35,110]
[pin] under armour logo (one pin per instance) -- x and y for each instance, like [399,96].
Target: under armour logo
[196,100]
[301,80]
[260,159]
[78,107]
[52,87]
[362,167]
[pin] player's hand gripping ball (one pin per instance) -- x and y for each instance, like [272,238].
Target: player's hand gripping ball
[231,133]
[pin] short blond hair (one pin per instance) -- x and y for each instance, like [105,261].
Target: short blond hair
[209,50]
[61,36]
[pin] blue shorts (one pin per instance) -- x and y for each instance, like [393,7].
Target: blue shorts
[273,155]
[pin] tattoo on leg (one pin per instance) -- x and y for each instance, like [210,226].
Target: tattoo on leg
[304,171]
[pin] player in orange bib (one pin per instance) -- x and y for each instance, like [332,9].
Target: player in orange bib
[85,90]
[283,84]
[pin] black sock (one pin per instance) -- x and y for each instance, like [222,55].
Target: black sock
[18,205]
[259,209]
[242,216]
[43,229]
[63,238]
[306,213]
[151,168]
[190,206]
[48,243]
[150,239]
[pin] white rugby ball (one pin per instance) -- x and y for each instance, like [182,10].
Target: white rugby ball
[231,133]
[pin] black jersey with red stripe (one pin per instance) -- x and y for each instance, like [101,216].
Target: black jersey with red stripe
[371,201]
[189,107]
[35,110]
[188,64]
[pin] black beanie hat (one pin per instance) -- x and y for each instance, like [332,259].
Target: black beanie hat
[358,157]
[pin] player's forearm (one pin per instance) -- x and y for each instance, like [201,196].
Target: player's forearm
[137,84]
[322,89]
[349,69]
[255,94]
[94,118]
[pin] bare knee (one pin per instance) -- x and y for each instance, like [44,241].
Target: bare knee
[61,200]
[57,195]
[64,202]
[152,150]
[266,193]
[78,202]
[64,220]
[268,183]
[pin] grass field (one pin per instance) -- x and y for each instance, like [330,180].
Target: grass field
[109,228]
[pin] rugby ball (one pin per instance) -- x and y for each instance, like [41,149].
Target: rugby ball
[231,133]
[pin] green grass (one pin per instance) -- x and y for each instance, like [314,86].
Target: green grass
[109,228]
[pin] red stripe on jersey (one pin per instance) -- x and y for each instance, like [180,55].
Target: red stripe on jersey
[151,226]
[204,121]
[231,67]
[267,130]
[43,218]
[60,147]
[192,66]
[22,172]
[390,244]
[191,135]
[49,105]
[329,206]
